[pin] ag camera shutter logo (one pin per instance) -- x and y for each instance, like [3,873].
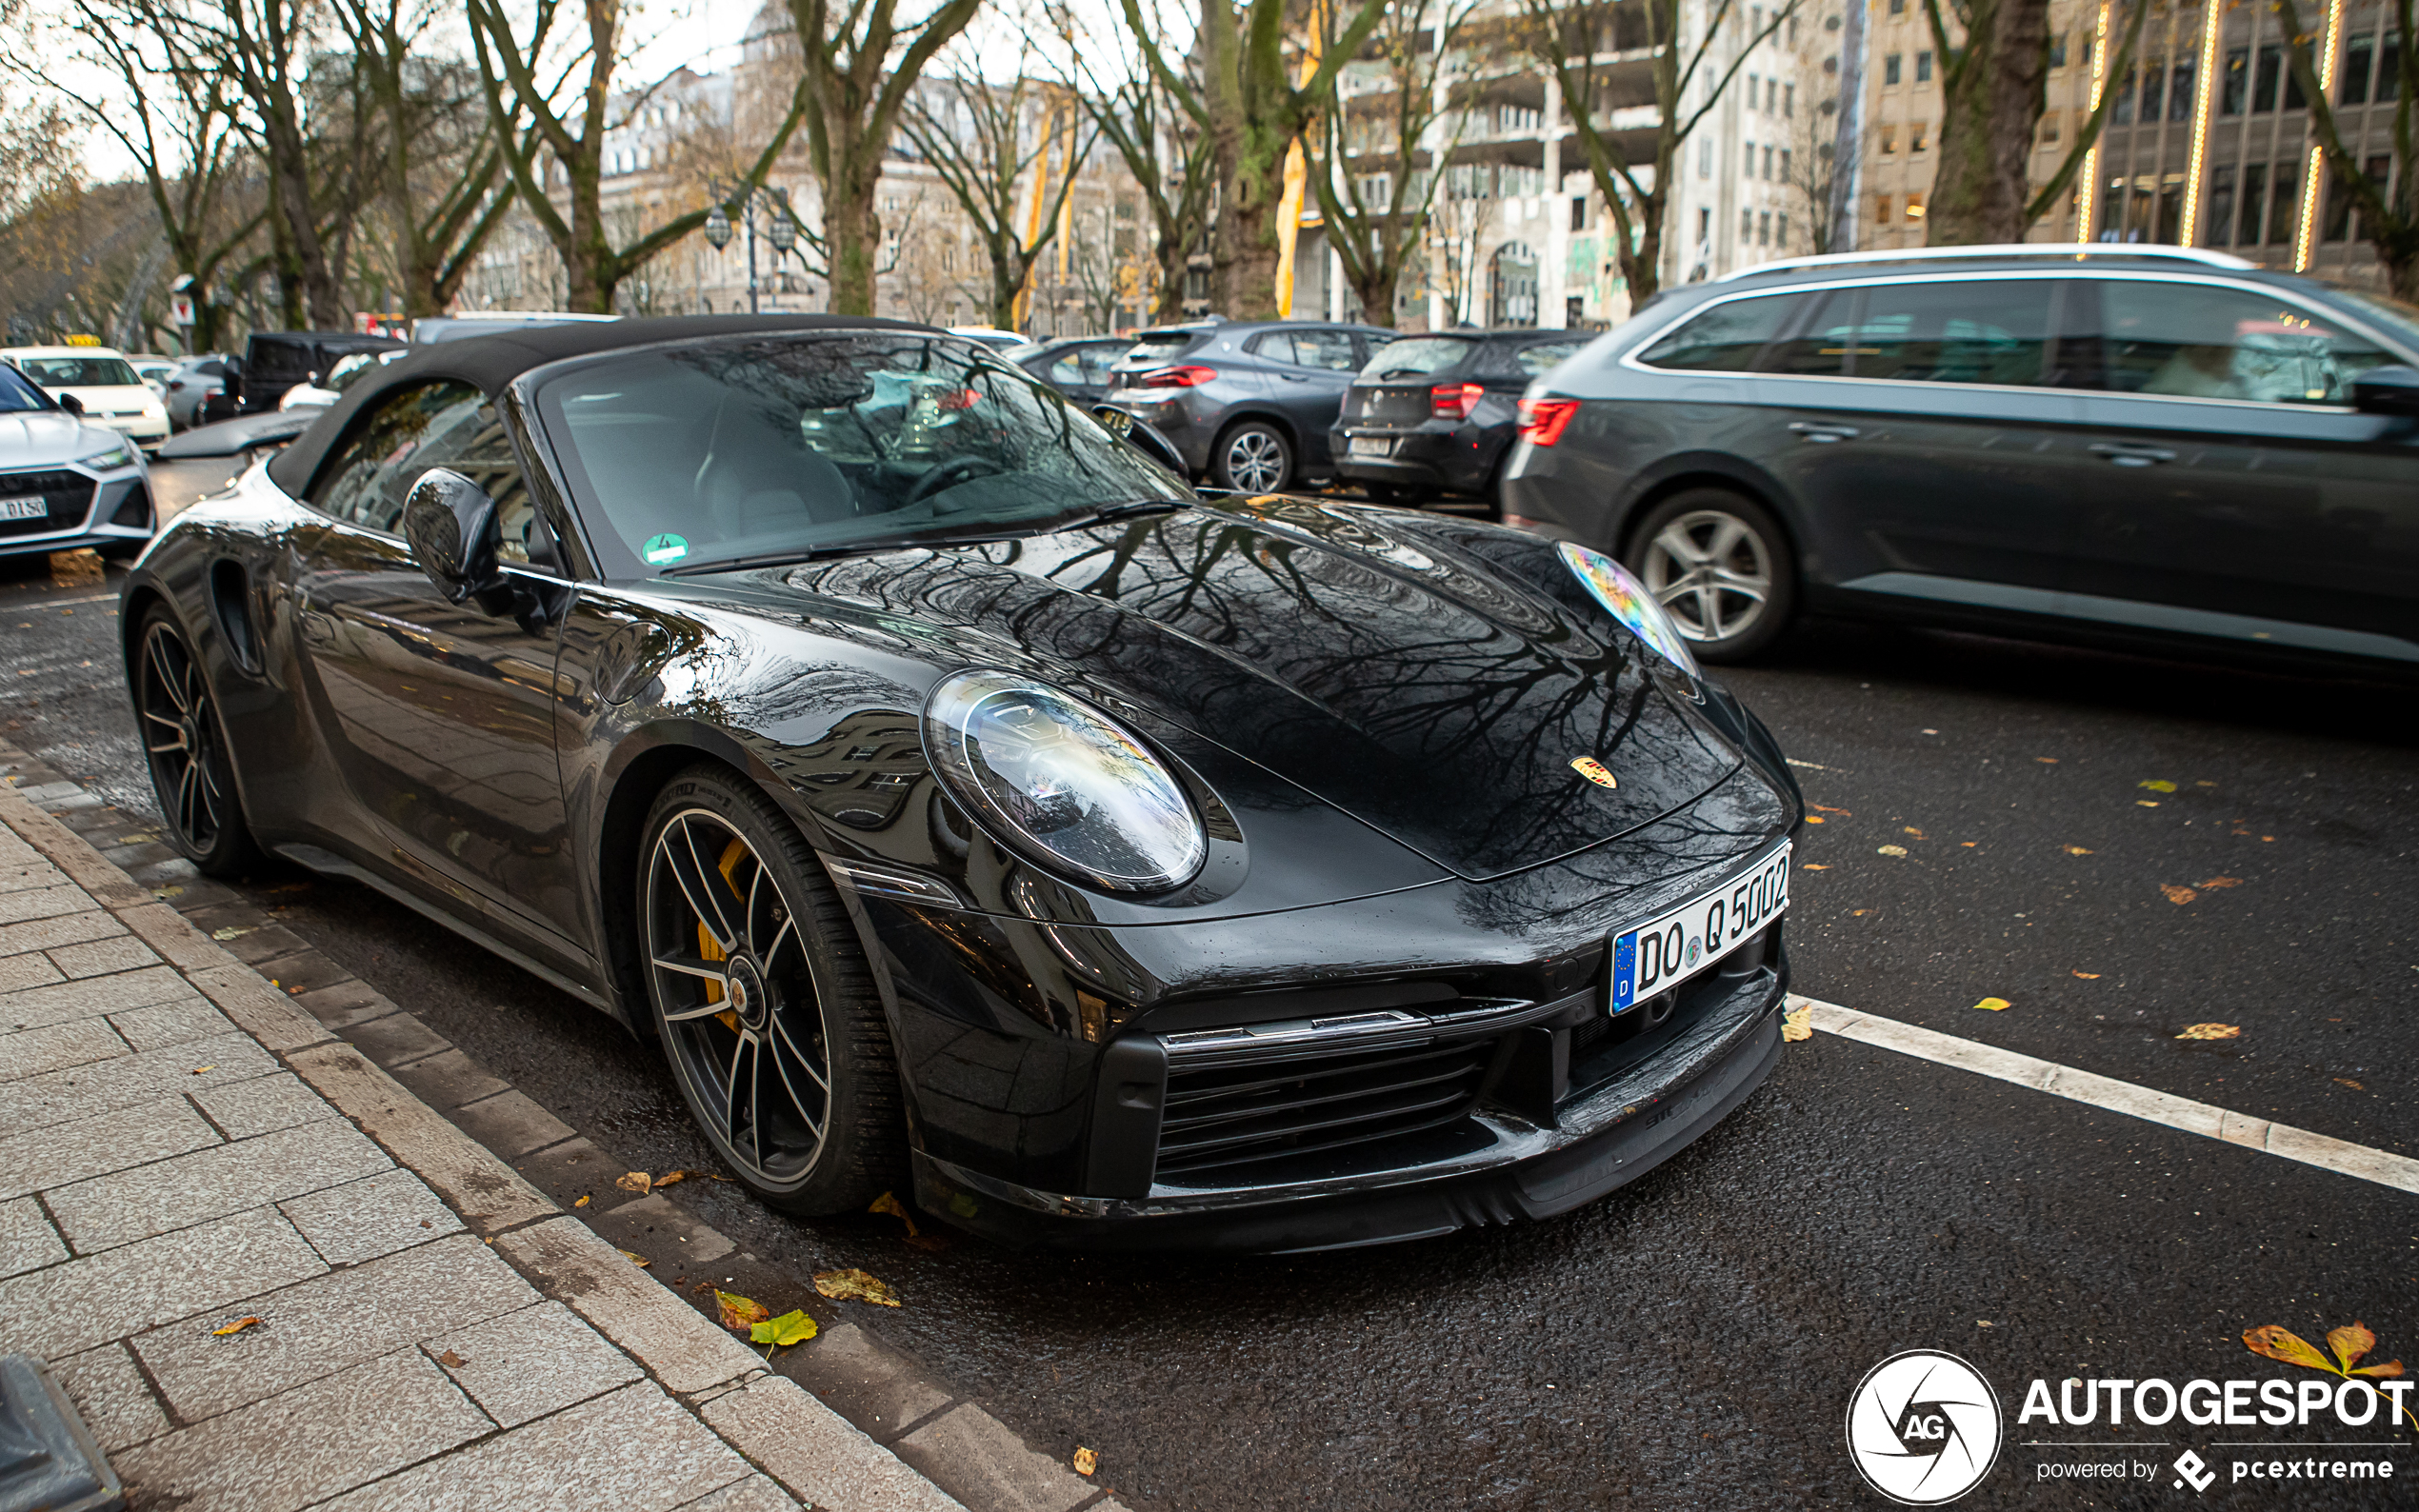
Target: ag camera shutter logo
[1923,1428]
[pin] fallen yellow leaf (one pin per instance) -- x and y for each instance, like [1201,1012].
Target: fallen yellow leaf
[1798,1024]
[1858,913]
[1912,830]
[2088,976]
[843,1285]
[2177,895]
[1829,809]
[2212,1031]
[2047,761]
[2351,1343]
[739,1312]
[639,1182]
[204,1070]
[670,1176]
[2158,785]
[1086,1461]
[2145,802]
[235,1328]
[449,1359]
[1985,1323]
[2222,882]
[1814,819]
[2350,1083]
[583,1199]
[636,1258]
[790,1328]
[890,1204]
[1969,843]
[2277,1341]
[2078,850]
[1889,851]
[1994,1005]
[1815,865]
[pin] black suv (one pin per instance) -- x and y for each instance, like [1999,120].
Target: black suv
[1437,412]
[2139,444]
[1249,403]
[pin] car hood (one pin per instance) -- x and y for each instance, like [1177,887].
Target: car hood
[1426,691]
[43,437]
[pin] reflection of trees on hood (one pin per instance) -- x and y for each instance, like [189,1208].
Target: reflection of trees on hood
[1411,683]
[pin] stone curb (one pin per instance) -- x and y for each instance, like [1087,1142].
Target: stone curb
[858,1423]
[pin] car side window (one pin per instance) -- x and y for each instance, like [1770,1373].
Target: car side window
[1726,338]
[2190,340]
[365,482]
[1272,346]
[1329,349]
[1951,331]
[1100,363]
[1069,369]
[468,436]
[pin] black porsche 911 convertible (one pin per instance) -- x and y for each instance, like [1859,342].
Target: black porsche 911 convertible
[961,799]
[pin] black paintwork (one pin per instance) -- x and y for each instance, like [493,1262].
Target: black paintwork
[1373,712]
[2059,507]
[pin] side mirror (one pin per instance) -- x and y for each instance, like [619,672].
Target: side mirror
[2393,389]
[1142,437]
[72,403]
[450,523]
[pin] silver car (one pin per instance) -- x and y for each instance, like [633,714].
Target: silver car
[65,484]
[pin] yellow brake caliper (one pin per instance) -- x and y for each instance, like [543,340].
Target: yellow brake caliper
[706,945]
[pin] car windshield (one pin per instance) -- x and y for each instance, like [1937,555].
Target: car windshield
[16,394]
[2398,320]
[1418,356]
[785,445]
[79,372]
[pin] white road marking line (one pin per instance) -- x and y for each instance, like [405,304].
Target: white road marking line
[53,604]
[2324,1151]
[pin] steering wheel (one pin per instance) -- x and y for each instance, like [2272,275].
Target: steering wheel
[950,474]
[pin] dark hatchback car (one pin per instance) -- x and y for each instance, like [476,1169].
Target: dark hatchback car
[958,798]
[274,361]
[1438,413]
[2146,446]
[1249,403]
[1082,367]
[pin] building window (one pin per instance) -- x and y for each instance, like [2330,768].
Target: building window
[2254,193]
[1918,136]
[2283,188]
[1705,227]
[1923,67]
[2050,129]
[1781,230]
[1768,165]
[1785,164]
[1890,141]
[1747,227]
[2360,55]
[2058,50]
[1915,207]
[1788,100]
[2236,91]
[1705,158]
[1756,22]
[1763,230]
[2179,91]
[1880,210]
[2389,68]
[1898,7]
[2220,231]
[1889,68]
[1750,160]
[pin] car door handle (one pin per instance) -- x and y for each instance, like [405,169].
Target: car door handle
[1293,377]
[2129,454]
[1825,434]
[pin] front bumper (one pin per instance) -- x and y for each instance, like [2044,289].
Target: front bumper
[120,517]
[1699,1067]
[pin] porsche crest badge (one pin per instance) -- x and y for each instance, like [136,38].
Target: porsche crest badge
[1595,770]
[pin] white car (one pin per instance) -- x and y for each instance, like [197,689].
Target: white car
[992,336]
[65,482]
[349,369]
[155,371]
[105,389]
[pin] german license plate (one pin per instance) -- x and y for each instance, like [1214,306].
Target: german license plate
[1666,952]
[23,508]
[1371,447]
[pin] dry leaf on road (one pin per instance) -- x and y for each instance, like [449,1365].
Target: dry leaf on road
[2277,1341]
[637,1259]
[1912,830]
[1086,1461]
[2078,850]
[670,1176]
[1798,1024]
[739,1312]
[582,1201]
[790,1328]
[1994,1005]
[639,1182]
[2158,785]
[2047,761]
[843,1285]
[2221,882]
[2177,895]
[1889,851]
[889,1204]
[1814,819]
[449,1359]
[235,1328]
[1815,865]
[204,1070]
[2212,1031]
[1829,809]
[2350,1083]
[2088,976]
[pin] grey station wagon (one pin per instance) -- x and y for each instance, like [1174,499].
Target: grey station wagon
[2151,447]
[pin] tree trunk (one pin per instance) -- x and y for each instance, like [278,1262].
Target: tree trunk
[1375,291]
[852,229]
[1244,247]
[1990,114]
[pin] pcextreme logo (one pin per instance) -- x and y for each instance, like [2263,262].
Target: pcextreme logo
[1923,1428]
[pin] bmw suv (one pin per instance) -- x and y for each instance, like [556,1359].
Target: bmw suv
[2153,446]
[1247,403]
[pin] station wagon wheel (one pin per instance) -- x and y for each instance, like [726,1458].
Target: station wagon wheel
[1254,458]
[764,1001]
[186,749]
[1721,565]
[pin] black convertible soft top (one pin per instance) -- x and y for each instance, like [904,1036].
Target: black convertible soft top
[489,362]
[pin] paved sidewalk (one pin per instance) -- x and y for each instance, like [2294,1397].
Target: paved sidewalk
[182,1146]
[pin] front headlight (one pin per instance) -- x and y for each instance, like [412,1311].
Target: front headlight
[1071,788]
[1626,599]
[115,457]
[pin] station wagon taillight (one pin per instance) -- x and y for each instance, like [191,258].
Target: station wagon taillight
[1185,377]
[1454,401]
[1542,421]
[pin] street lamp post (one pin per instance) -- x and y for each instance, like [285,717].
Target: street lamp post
[780,228]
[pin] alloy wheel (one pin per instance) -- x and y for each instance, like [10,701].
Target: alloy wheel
[1712,572]
[741,1015]
[180,736]
[1256,462]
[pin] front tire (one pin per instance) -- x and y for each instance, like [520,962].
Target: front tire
[1254,457]
[185,747]
[764,1001]
[1721,564]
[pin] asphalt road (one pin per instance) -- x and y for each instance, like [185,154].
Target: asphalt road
[1693,1340]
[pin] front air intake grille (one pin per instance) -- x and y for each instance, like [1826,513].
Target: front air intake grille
[1278,1108]
[66,498]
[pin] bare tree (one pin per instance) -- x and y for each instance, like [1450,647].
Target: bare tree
[1164,148]
[2389,210]
[1578,41]
[995,148]
[1372,164]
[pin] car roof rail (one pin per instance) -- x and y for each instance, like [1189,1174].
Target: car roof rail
[2074,251]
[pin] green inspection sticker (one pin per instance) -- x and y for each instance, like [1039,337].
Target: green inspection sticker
[660,549]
